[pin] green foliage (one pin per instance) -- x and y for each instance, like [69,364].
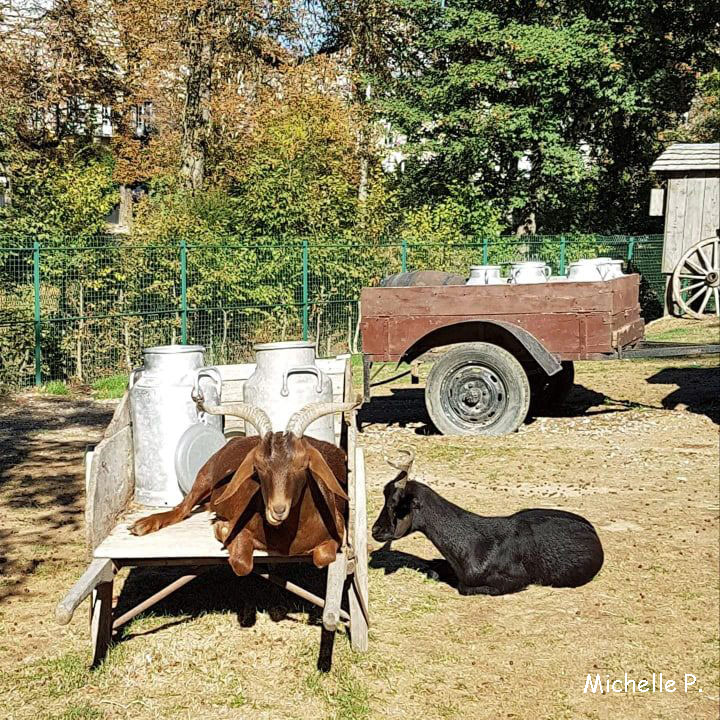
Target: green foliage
[65,195]
[552,109]
[82,711]
[110,388]
[55,387]
[703,123]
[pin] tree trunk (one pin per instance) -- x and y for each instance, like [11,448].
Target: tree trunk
[125,214]
[199,44]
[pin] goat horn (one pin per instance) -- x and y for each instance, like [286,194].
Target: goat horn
[403,467]
[300,420]
[254,415]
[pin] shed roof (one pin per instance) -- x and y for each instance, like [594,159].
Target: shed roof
[689,156]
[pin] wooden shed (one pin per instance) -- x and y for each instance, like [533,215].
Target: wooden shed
[691,175]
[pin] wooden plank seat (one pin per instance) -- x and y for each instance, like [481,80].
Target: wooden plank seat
[189,539]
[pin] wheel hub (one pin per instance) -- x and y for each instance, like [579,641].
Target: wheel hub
[713,278]
[476,395]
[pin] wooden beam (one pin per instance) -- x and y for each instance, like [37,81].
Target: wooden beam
[334,591]
[153,600]
[299,591]
[99,571]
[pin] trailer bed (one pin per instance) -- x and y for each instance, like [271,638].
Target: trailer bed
[572,320]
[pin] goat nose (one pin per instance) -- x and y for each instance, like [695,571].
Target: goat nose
[279,510]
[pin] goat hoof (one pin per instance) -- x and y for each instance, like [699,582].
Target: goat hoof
[222,530]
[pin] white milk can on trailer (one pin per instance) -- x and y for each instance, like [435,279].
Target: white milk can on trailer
[162,410]
[485,275]
[285,379]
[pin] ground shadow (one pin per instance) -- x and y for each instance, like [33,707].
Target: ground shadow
[403,407]
[390,561]
[698,389]
[42,473]
[406,406]
[218,589]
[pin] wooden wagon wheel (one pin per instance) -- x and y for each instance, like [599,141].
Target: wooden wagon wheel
[696,279]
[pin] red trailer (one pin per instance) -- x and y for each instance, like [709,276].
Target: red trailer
[503,344]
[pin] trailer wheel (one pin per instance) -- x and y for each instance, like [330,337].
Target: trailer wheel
[477,389]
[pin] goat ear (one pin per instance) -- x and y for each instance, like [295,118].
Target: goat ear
[322,473]
[239,491]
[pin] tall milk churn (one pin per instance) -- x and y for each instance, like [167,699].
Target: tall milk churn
[285,379]
[162,409]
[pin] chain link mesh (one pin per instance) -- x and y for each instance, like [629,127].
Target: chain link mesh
[89,310]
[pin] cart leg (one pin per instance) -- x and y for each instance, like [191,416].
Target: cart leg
[336,577]
[358,590]
[367,365]
[101,621]
[358,623]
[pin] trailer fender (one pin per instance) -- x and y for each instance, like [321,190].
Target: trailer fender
[506,335]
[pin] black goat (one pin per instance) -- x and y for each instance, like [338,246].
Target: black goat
[492,555]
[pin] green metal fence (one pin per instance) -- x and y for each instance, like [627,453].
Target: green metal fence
[86,311]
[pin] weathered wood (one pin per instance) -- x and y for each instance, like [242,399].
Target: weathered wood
[99,571]
[110,487]
[358,592]
[101,621]
[711,208]
[674,223]
[153,600]
[189,541]
[560,297]
[657,201]
[120,418]
[233,383]
[394,319]
[694,210]
[336,575]
[299,591]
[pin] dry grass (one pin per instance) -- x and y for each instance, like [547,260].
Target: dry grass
[635,451]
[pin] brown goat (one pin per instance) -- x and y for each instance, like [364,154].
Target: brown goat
[301,506]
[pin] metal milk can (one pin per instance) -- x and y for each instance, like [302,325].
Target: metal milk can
[162,409]
[529,272]
[485,275]
[285,379]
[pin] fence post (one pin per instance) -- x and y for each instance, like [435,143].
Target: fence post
[183,291]
[305,283]
[631,248]
[561,263]
[36,313]
[403,255]
[485,250]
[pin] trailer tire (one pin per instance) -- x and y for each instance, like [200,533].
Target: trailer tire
[477,389]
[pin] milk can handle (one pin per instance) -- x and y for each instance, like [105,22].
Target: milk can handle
[133,373]
[214,374]
[300,369]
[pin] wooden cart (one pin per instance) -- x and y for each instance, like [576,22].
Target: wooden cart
[110,511]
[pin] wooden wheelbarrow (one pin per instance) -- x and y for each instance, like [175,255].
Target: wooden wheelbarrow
[109,512]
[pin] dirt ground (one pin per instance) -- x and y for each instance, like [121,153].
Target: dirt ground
[635,450]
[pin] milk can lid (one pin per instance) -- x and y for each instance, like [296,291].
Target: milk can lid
[289,344]
[173,349]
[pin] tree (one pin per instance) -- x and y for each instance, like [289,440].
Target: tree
[552,110]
